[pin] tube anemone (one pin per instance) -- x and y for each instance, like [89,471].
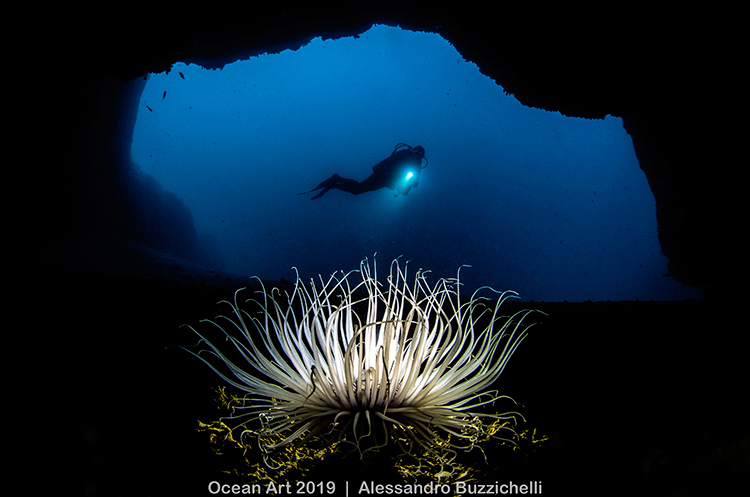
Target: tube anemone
[371,362]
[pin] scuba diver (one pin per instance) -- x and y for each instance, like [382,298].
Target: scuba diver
[400,171]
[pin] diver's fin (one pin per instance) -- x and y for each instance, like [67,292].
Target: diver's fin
[322,185]
[310,191]
[325,190]
[326,185]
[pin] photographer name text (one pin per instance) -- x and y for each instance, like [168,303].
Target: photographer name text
[372,488]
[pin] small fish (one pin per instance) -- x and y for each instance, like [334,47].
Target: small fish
[164,95]
[149,108]
[181,75]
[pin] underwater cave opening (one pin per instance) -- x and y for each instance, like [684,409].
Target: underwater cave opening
[554,207]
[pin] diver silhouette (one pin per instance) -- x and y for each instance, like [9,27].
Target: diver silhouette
[400,171]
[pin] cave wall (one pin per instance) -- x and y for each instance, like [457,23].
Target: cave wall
[98,192]
[589,64]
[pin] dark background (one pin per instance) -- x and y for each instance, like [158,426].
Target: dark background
[638,398]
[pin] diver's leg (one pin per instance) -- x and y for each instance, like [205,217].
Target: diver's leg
[338,183]
[377,180]
[326,185]
[347,185]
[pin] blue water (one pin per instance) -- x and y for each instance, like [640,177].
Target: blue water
[553,207]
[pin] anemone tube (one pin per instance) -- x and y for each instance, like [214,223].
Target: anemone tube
[338,357]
